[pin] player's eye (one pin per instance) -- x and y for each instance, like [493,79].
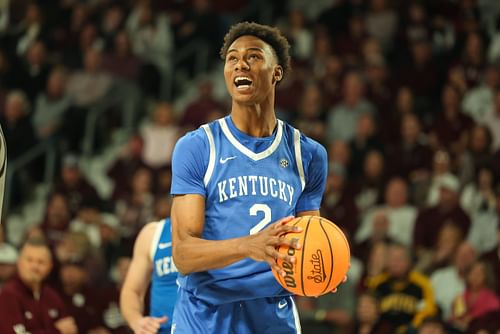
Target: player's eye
[254,56]
[231,59]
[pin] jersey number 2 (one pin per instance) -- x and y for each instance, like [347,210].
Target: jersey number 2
[254,210]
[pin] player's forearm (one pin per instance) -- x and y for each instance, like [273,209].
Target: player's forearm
[194,254]
[131,305]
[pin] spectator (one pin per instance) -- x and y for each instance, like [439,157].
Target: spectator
[342,118]
[399,215]
[491,120]
[89,86]
[159,137]
[441,168]
[73,185]
[479,196]
[430,220]
[197,110]
[56,220]
[51,106]
[493,256]
[432,326]
[310,114]
[80,298]
[8,258]
[448,282]
[34,71]
[298,34]
[128,161]
[406,297]
[382,23]
[451,128]
[27,293]
[411,157]
[135,208]
[338,201]
[365,140]
[371,184]
[120,61]
[477,154]
[391,119]
[478,298]
[478,102]
[367,320]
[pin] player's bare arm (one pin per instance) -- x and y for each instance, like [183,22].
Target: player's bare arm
[136,284]
[193,254]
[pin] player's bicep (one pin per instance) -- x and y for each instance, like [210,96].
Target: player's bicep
[188,217]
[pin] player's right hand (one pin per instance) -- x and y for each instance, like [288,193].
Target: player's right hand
[262,246]
[148,325]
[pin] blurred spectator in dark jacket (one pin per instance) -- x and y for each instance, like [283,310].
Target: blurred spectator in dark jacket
[338,201]
[451,128]
[81,298]
[476,155]
[55,223]
[34,71]
[411,157]
[365,140]
[197,110]
[119,60]
[128,161]
[27,303]
[8,258]
[310,114]
[473,60]
[430,220]
[73,184]
[369,188]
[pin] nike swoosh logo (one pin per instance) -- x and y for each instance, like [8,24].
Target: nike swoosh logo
[282,304]
[163,245]
[224,160]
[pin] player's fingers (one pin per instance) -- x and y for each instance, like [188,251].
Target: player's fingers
[151,326]
[277,268]
[290,242]
[284,229]
[285,220]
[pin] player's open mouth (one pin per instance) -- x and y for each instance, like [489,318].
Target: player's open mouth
[242,82]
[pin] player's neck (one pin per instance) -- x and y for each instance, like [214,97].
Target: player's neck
[253,120]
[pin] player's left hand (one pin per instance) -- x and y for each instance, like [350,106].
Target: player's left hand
[343,281]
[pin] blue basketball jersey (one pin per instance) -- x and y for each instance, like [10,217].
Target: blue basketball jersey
[163,281]
[247,183]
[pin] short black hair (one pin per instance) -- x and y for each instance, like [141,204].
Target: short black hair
[271,35]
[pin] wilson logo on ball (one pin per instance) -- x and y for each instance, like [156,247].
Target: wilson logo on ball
[288,268]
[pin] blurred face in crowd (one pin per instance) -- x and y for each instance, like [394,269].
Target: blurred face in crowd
[374,164]
[404,100]
[441,162]
[92,60]
[34,264]
[365,126]
[339,152]
[15,106]
[311,102]
[73,277]
[36,54]
[431,328]
[421,52]
[410,129]
[122,44]
[485,178]
[449,236]
[464,257]
[476,277]
[398,261]
[57,211]
[396,194]
[141,182]
[71,175]
[450,100]
[56,83]
[163,114]
[479,141]
[353,89]
[367,309]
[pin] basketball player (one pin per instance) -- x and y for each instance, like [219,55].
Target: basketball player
[152,261]
[236,181]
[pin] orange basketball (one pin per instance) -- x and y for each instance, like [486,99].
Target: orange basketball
[322,262]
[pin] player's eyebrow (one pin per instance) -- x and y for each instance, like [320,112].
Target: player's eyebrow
[252,48]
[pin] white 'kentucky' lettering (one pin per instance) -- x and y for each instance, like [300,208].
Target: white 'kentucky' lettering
[253,185]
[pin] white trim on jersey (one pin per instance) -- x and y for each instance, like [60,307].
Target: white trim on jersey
[298,157]
[156,238]
[252,155]
[211,160]
[296,316]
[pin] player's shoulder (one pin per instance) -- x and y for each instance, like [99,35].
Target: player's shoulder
[197,138]
[148,231]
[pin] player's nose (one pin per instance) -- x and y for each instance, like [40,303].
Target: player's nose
[242,65]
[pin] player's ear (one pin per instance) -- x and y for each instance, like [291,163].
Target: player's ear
[278,74]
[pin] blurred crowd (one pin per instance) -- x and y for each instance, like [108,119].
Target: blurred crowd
[405,96]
